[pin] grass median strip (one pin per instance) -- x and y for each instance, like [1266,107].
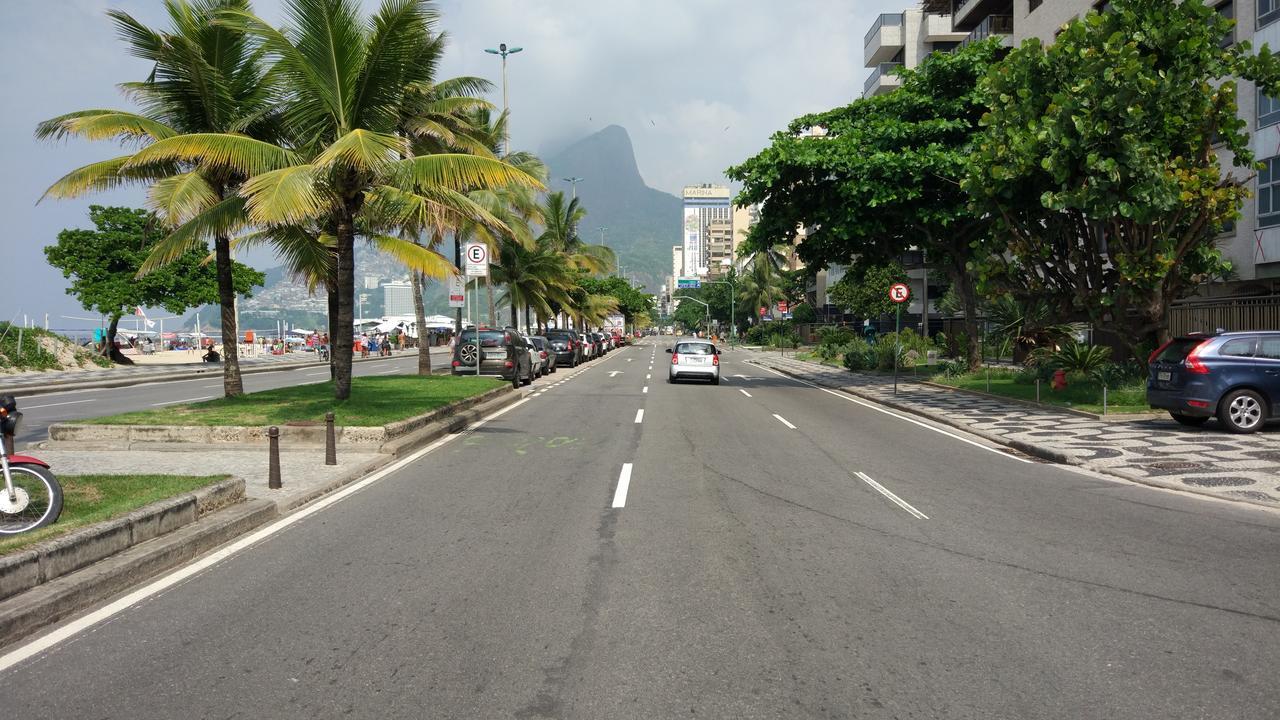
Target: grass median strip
[1081,393]
[374,401]
[88,499]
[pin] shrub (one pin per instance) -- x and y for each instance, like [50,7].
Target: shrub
[831,341]
[804,314]
[858,355]
[954,368]
[1078,357]
[1114,375]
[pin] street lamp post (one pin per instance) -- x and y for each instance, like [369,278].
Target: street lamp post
[733,323]
[504,51]
[573,181]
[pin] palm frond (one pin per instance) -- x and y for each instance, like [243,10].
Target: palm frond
[459,172]
[288,196]
[414,257]
[221,220]
[103,125]
[362,150]
[103,175]
[222,151]
[178,198]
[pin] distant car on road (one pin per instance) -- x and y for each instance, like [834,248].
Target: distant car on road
[543,352]
[566,346]
[694,358]
[1234,376]
[503,353]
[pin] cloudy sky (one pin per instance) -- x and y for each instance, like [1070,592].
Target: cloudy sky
[699,84]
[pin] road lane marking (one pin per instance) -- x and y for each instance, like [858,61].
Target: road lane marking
[206,387]
[648,377]
[326,372]
[645,389]
[926,426]
[69,402]
[784,421]
[887,493]
[624,482]
[71,629]
[388,372]
[640,415]
[744,392]
[175,402]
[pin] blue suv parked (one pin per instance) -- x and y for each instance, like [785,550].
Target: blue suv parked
[1233,376]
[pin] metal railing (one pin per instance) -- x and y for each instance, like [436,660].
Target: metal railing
[879,71]
[991,25]
[1244,313]
[885,19]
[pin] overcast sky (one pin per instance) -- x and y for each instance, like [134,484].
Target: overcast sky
[699,84]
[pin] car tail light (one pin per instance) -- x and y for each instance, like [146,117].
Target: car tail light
[1193,363]
[542,354]
[715,359]
[456,363]
[510,364]
[1157,351]
[675,359]
[1198,403]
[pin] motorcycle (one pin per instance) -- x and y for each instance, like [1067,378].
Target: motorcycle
[31,497]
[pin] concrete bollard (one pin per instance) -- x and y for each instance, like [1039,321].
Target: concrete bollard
[1037,390]
[330,442]
[273,467]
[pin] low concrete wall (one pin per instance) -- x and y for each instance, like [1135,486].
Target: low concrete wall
[307,435]
[63,555]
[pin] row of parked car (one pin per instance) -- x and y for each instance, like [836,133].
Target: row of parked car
[520,359]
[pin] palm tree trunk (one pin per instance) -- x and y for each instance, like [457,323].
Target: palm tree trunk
[343,349]
[420,316]
[457,263]
[331,287]
[515,314]
[528,328]
[232,385]
[493,308]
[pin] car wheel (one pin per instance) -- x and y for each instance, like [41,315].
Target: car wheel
[671,379]
[1189,420]
[1242,411]
[715,380]
[528,379]
[515,381]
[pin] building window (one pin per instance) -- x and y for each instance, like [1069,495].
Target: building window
[1268,12]
[1268,110]
[1031,6]
[1269,193]
[945,46]
[1228,11]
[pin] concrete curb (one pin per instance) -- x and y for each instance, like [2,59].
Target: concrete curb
[1039,451]
[67,385]
[65,554]
[93,564]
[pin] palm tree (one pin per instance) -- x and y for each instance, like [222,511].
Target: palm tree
[560,220]
[206,78]
[344,85]
[759,287]
[534,278]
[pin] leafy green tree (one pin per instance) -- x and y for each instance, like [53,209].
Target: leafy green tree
[883,176]
[864,289]
[103,265]
[205,78]
[1099,161]
[631,302]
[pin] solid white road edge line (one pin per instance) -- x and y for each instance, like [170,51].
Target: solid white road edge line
[75,627]
[891,413]
[175,402]
[744,392]
[640,415]
[619,495]
[896,500]
[784,421]
[69,402]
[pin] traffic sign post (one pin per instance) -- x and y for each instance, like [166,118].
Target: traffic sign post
[899,293]
[477,259]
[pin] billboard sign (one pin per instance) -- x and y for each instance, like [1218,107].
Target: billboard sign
[688,283]
[692,239]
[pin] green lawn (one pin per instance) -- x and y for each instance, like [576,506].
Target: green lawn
[88,499]
[1081,393]
[375,401]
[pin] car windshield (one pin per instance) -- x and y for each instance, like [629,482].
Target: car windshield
[488,338]
[695,349]
[1177,351]
[564,335]
[538,342]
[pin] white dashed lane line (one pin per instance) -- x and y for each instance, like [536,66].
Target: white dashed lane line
[784,421]
[624,482]
[744,392]
[640,416]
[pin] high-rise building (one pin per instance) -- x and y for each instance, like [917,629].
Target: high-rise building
[677,261]
[397,298]
[719,248]
[703,204]
[903,39]
[744,218]
[371,282]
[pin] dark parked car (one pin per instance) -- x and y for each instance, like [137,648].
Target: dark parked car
[545,354]
[1233,376]
[504,353]
[566,345]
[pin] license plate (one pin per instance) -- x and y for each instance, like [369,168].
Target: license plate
[1164,376]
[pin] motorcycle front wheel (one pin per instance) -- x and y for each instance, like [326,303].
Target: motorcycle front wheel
[37,500]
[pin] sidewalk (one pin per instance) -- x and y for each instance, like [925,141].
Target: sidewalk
[1152,451]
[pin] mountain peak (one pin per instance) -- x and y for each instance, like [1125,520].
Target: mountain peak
[603,157]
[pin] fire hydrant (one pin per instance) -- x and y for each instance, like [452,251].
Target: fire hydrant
[1059,380]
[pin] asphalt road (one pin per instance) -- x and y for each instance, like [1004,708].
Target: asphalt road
[779,551]
[41,411]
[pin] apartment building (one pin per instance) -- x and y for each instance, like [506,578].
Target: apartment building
[903,40]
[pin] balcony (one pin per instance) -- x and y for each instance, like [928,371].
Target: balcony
[884,40]
[967,14]
[882,80]
[937,28]
[991,26]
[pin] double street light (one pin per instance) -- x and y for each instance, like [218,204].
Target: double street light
[574,182]
[504,51]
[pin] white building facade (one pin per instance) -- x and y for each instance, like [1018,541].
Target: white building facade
[703,205]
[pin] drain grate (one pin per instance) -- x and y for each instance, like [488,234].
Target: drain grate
[1175,465]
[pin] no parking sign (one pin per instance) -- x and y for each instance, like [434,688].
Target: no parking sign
[899,293]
